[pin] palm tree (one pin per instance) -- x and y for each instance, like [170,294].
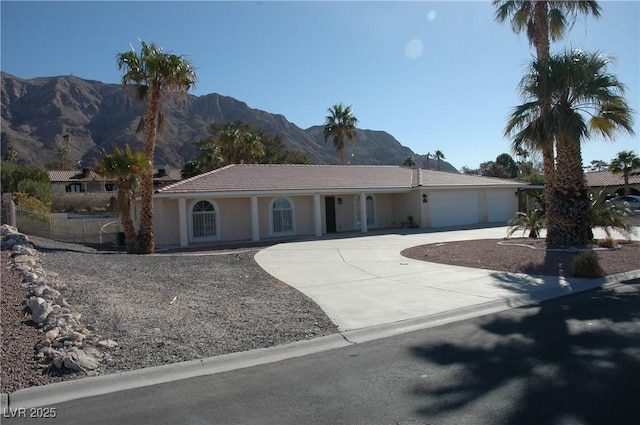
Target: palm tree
[573,86]
[409,162]
[154,74]
[624,164]
[339,125]
[533,222]
[543,21]
[438,156]
[126,167]
[598,165]
[190,169]
[608,217]
[209,157]
[239,146]
[428,155]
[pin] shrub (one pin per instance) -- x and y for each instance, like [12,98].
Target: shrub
[36,189]
[587,265]
[607,243]
[81,202]
[13,174]
[28,202]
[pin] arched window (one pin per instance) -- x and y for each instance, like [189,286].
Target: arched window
[281,216]
[371,211]
[203,223]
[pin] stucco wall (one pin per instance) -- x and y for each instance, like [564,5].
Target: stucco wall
[166,227]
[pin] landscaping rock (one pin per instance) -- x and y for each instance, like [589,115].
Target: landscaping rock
[40,309]
[65,343]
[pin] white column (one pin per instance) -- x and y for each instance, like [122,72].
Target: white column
[363,212]
[183,219]
[317,216]
[255,219]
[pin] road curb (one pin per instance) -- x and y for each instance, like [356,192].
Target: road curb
[105,384]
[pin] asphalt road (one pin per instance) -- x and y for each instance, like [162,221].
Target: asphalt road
[572,360]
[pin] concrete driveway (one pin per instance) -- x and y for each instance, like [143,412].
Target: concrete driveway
[363,281]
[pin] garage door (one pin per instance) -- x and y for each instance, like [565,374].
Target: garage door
[501,206]
[454,208]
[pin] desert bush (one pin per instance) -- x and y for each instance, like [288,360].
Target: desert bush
[27,202]
[587,265]
[36,189]
[607,243]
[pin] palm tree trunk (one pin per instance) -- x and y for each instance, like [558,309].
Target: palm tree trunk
[145,240]
[124,205]
[541,43]
[569,214]
[626,182]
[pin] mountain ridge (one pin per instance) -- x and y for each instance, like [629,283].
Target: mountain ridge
[37,112]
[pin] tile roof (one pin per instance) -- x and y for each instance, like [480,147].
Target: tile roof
[431,178]
[607,178]
[273,177]
[73,175]
[56,176]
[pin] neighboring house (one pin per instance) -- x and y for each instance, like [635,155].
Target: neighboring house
[79,181]
[254,202]
[613,183]
[87,180]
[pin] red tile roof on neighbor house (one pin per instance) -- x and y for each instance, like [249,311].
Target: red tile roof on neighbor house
[301,178]
[607,178]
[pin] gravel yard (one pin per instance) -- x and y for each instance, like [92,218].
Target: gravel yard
[160,309]
[171,307]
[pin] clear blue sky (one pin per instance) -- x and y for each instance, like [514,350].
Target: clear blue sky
[435,75]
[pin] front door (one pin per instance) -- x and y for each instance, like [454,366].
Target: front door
[330,213]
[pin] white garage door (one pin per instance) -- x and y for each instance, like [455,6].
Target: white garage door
[454,208]
[501,206]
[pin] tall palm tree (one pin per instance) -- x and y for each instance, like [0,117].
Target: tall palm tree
[126,167]
[438,155]
[428,155]
[543,21]
[624,164]
[154,74]
[582,98]
[340,125]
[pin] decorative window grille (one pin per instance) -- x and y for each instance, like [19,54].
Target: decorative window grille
[282,216]
[204,220]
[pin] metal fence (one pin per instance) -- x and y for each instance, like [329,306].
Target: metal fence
[68,227]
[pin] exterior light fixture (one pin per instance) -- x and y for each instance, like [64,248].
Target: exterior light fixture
[424,198]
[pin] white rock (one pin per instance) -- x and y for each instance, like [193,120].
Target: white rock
[107,343]
[24,250]
[40,309]
[80,360]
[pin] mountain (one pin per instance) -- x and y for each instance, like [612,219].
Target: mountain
[36,113]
